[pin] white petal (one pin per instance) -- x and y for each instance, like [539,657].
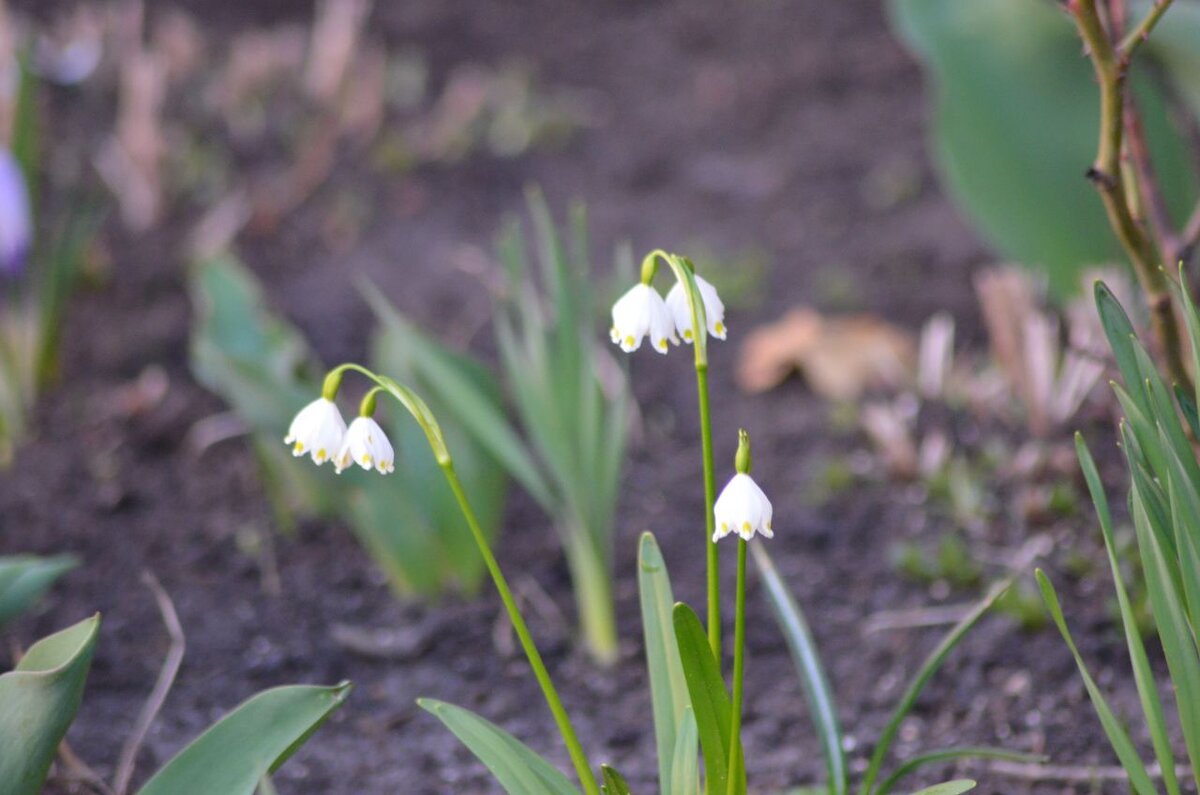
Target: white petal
[714,309]
[640,311]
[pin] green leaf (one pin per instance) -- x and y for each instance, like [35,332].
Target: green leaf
[952,755]
[956,787]
[1142,674]
[613,782]
[24,578]
[38,702]
[1139,779]
[519,770]
[233,755]
[817,691]
[1119,330]
[926,672]
[710,699]
[668,688]
[1016,119]
[685,767]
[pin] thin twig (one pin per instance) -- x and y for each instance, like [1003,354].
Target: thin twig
[79,770]
[1139,34]
[166,678]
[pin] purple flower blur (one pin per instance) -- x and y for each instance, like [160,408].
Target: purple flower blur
[16,222]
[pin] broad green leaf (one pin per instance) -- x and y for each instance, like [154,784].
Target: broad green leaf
[668,688]
[956,787]
[818,693]
[685,766]
[952,755]
[1016,120]
[233,755]
[613,783]
[519,770]
[931,665]
[709,698]
[1139,779]
[1143,675]
[24,578]
[38,702]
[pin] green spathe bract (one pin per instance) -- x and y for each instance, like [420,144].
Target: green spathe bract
[38,701]
[235,753]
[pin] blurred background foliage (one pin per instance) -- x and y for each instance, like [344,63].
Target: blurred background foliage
[1015,116]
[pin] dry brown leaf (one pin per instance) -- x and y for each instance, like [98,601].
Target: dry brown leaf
[841,357]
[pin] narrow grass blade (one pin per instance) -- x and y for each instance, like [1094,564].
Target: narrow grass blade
[928,669]
[234,754]
[668,688]
[1143,676]
[519,770]
[817,692]
[1119,331]
[38,702]
[612,782]
[951,755]
[956,787]
[1139,779]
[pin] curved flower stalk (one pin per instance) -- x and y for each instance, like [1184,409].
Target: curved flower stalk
[691,304]
[358,445]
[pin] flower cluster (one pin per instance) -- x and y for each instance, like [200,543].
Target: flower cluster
[642,312]
[319,430]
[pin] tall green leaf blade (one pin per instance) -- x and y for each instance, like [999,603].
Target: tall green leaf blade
[519,770]
[24,578]
[1143,675]
[685,764]
[1119,330]
[709,698]
[668,688]
[817,691]
[1139,779]
[38,702]
[233,755]
[931,665]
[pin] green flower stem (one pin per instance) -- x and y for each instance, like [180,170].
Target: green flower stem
[582,766]
[739,672]
[685,272]
[424,417]
[710,496]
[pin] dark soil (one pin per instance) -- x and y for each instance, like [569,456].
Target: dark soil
[732,126]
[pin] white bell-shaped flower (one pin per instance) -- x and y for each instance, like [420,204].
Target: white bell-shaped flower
[366,445]
[714,310]
[742,508]
[318,428]
[639,313]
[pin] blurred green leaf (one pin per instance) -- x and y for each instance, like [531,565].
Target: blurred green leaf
[38,701]
[613,783]
[668,688]
[817,692]
[956,787]
[952,755]
[519,770]
[24,578]
[234,755]
[1016,120]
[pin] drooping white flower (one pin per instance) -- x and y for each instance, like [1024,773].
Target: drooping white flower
[742,508]
[16,220]
[641,312]
[714,310]
[366,445]
[318,428]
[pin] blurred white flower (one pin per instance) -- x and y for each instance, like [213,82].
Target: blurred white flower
[317,429]
[742,508]
[16,220]
[714,310]
[366,445]
[638,313]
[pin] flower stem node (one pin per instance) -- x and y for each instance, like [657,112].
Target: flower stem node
[366,445]
[742,508]
[318,429]
[714,310]
[639,313]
